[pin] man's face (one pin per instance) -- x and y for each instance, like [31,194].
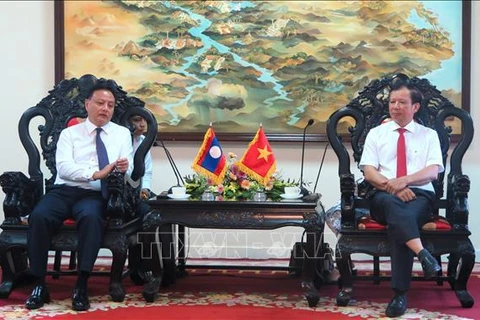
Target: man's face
[401,108]
[140,125]
[100,107]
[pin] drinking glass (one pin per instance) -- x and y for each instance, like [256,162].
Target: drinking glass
[208,196]
[259,195]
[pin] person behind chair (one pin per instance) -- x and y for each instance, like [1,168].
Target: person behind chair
[78,193]
[140,273]
[140,128]
[404,197]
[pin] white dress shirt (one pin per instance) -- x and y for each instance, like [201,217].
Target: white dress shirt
[147,177]
[422,148]
[76,156]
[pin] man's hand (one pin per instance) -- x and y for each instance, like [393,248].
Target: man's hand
[394,186]
[122,165]
[406,195]
[102,174]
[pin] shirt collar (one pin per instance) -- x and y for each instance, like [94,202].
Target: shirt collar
[409,127]
[91,127]
[140,137]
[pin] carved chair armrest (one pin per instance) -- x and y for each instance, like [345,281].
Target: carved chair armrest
[347,189]
[124,195]
[457,210]
[21,195]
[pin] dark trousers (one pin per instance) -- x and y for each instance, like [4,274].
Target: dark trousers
[403,220]
[87,207]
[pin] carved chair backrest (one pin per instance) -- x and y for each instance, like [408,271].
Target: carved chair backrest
[370,108]
[64,103]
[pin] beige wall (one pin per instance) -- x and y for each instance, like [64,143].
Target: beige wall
[27,64]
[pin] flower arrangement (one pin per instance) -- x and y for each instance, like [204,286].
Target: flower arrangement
[236,185]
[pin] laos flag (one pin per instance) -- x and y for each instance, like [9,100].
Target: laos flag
[210,160]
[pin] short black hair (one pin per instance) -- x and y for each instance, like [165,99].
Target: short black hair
[135,117]
[101,85]
[399,83]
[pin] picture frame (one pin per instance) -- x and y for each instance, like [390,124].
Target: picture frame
[313,62]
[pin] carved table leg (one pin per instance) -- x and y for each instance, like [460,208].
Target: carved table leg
[168,254]
[342,259]
[163,267]
[311,293]
[119,256]
[150,289]
[8,275]
[151,224]
[13,262]
[137,274]
[453,260]
[181,270]
[467,263]
[140,257]
[313,252]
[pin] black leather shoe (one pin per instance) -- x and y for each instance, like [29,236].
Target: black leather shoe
[397,306]
[80,300]
[429,264]
[38,298]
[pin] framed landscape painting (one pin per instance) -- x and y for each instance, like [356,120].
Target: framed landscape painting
[239,64]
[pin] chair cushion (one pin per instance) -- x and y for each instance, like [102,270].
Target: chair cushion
[437,223]
[74,121]
[367,223]
[69,222]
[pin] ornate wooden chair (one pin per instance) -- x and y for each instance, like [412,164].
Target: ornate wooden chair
[448,231]
[64,103]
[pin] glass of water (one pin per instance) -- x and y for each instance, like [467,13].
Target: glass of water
[208,195]
[259,195]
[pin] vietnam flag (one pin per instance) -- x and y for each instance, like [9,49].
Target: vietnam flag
[258,161]
[210,160]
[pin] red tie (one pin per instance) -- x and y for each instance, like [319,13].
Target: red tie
[401,154]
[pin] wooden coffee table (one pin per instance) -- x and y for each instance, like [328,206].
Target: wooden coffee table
[307,213]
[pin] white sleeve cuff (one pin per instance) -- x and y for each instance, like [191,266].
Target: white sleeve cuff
[88,174]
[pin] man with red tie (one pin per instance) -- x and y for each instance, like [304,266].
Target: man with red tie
[400,159]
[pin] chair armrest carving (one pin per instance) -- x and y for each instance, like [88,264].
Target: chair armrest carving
[21,196]
[122,202]
[125,190]
[347,188]
[457,207]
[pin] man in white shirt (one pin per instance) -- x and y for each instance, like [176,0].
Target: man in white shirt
[78,192]
[404,199]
